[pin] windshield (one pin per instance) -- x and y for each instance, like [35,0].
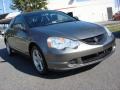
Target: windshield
[47,18]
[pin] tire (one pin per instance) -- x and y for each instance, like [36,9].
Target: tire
[38,60]
[9,49]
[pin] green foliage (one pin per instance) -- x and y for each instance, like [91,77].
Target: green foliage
[29,5]
[114,27]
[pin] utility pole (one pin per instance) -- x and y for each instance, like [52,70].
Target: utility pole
[3,4]
[118,5]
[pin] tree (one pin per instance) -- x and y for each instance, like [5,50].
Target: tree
[29,5]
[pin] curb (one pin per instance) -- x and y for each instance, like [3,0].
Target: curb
[108,22]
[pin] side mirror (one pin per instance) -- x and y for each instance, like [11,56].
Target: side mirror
[23,28]
[20,27]
[76,17]
[70,14]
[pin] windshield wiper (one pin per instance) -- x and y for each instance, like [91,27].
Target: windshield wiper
[70,20]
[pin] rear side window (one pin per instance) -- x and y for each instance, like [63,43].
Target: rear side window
[18,22]
[11,23]
[14,21]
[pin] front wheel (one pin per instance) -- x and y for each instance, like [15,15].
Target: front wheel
[9,50]
[38,60]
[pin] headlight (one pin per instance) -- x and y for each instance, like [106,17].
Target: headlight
[108,31]
[61,43]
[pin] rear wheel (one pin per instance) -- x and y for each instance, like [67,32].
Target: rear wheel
[38,60]
[9,50]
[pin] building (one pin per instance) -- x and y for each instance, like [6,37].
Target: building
[5,20]
[87,10]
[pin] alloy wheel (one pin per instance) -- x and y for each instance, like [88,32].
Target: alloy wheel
[38,61]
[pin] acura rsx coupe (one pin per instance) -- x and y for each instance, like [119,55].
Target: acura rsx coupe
[57,41]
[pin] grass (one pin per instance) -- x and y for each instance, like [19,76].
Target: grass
[114,27]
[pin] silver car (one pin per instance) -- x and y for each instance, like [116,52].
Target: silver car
[55,40]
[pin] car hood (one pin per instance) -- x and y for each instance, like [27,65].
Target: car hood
[74,30]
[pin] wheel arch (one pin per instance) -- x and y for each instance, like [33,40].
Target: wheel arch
[31,45]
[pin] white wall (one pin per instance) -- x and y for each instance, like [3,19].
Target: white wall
[89,10]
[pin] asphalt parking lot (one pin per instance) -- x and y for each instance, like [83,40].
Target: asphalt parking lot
[18,73]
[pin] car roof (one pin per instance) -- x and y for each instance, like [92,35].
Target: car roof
[28,13]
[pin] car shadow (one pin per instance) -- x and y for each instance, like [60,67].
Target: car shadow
[25,65]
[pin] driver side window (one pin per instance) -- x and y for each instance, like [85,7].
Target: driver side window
[18,23]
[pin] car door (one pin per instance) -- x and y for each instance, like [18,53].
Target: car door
[10,34]
[21,36]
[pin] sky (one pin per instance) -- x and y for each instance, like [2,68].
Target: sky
[7,6]
[9,2]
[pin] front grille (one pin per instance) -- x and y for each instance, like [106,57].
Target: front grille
[96,56]
[95,40]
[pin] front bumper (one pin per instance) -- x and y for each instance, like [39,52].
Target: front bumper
[84,55]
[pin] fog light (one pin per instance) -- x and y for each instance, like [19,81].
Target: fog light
[74,61]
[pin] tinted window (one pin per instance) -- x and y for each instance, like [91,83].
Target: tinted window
[18,20]
[37,19]
[11,23]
